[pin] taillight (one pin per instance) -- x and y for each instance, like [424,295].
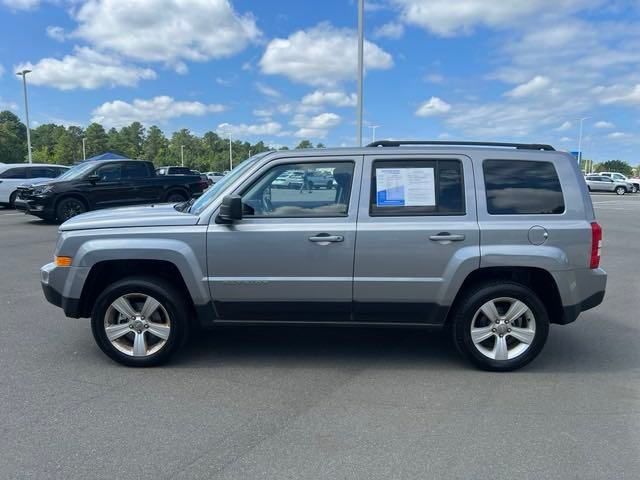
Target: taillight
[596,244]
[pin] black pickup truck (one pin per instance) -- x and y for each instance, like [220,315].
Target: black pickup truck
[104,184]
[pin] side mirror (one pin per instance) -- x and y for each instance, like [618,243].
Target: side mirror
[93,178]
[230,210]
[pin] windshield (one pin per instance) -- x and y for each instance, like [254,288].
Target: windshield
[76,172]
[210,195]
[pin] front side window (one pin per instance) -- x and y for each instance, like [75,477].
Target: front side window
[522,187]
[109,173]
[19,172]
[321,189]
[416,188]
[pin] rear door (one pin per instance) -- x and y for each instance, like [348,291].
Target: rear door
[417,227]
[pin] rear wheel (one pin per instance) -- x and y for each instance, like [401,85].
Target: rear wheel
[140,321]
[634,189]
[176,197]
[68,208]
[621,190]
[500,326]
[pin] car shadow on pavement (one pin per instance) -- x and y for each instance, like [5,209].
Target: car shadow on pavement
[322,347]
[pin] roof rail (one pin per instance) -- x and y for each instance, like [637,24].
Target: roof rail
[519,146]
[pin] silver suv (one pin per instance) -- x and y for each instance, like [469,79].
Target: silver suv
[493,241]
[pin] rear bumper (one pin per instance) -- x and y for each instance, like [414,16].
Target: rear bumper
[586,291]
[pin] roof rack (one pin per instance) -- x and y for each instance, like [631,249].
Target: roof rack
[519,146]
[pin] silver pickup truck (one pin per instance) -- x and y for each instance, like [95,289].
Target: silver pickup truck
[493,241]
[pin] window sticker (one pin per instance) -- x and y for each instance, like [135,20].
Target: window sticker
[405,187]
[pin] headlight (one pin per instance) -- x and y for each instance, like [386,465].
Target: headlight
[44,190]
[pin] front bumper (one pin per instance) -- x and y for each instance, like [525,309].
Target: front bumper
[55,282]
[39,206]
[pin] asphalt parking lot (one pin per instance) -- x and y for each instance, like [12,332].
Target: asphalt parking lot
[318,403]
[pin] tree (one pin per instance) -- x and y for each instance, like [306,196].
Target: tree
[155,147]
[97,140]
[320,145]
[132,138]
[13,138]
[615,166]
[305,144]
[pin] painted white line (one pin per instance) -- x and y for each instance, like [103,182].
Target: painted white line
[10,214]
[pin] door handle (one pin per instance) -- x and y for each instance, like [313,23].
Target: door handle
[326,238]
[447,237]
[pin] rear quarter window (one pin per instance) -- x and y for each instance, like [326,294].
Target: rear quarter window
[522,187]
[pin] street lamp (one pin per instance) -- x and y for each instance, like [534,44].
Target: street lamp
[182,155]
[23,74]
[230,154]
[84,149]
[580,142]
[373,131]
[360,67]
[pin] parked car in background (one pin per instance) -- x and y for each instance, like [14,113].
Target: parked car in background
[601,183]
[635,182]
[493,243]
[93,185]
[13,175]
[182,171]
[291,179]
[215,176]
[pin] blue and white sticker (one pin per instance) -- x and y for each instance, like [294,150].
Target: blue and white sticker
[405,187]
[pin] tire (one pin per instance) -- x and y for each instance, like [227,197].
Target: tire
[533,325]
[12,199]
[176,197]
[329,185]
[164,336]
[634,189]
[621,190]
[589,188]
[68,208]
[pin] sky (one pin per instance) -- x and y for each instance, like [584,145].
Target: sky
[284,70]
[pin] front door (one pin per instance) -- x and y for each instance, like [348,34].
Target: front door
[417,228]
[110,190]
[291,256]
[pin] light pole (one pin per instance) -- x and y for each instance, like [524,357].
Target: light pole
[230,154]
[580,142]
[84,149]
[360,67]
[373,131]
[182,155]
[23,74]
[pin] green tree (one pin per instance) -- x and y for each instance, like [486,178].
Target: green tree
[615,166]
[320,145]
[64,152]
[97,140]
[132,138]
[155,147]
[305,144]
[13,138]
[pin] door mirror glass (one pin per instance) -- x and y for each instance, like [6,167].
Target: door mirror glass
[230,209]
[93,178]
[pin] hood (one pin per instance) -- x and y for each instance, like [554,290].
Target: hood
[136,216]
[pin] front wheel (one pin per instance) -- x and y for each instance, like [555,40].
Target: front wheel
[621,190]
[634,189]
[176,197]
[68,208]
[500,326]
[12,199]
[140,321]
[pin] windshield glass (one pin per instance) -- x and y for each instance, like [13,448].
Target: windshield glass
[76,172]
[210,195]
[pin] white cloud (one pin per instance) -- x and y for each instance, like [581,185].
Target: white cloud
[335,98]
[567,125]
[618,94]
[434,78]
[56,33]
[85,68]
[267,90]
[447,17]
[322,55]
[262,112]
[157,110]
[533,86]
[433,106]
[393,30]
[169,31]
[13,106]
[567,139]
[21,4]
[603,124]
[618,135]
[244,130]
[317,126]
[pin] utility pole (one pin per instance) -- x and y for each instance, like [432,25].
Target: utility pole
[580,142]
[182,155]
[360,68]
[373,131]
[84,149]
[23,74]
[230,154]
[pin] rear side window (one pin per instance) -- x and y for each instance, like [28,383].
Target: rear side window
[43,172]
[416,188]
[19,172]
[135,170]
[522,187]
